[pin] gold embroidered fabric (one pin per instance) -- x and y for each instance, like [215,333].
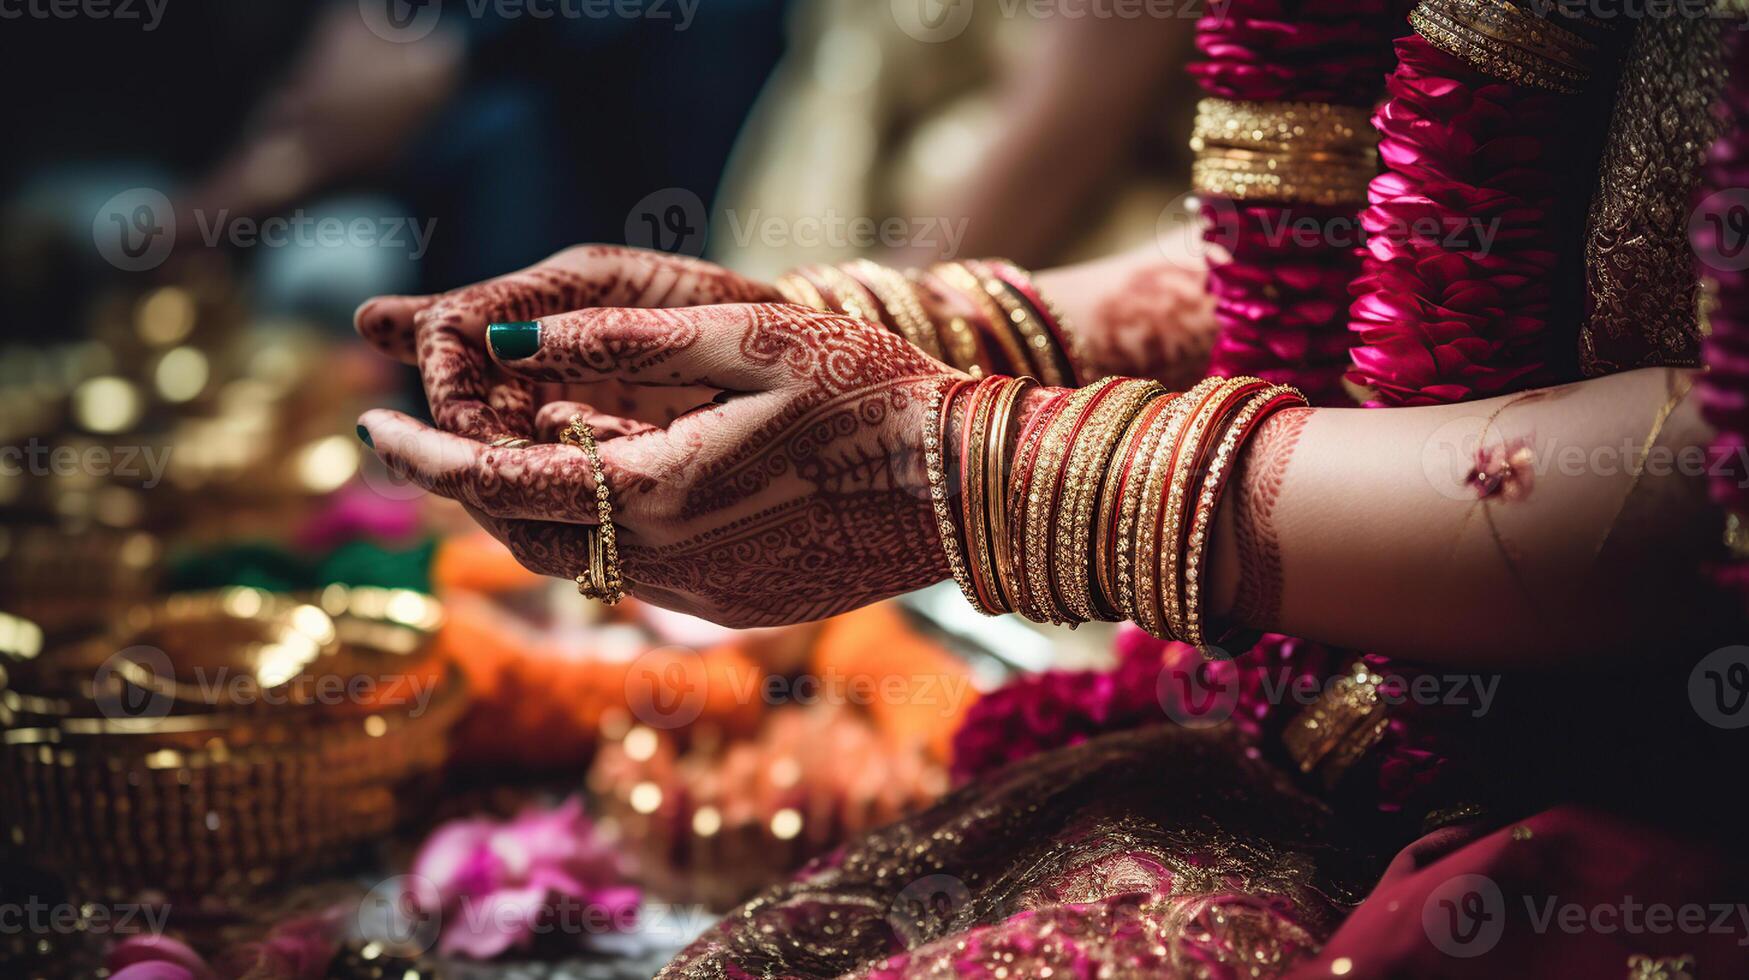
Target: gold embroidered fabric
[1333,732]
[1643,297]
[1145,853]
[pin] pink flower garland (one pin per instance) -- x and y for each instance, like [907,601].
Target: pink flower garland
[1457,296]
[1724,388]
[1281,301]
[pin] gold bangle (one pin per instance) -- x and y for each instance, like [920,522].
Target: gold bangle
[1185,465]
[956,275]
[1497,38]
[973,491]
[605,580]
[796,288]
[1214,480]
[1090,459]
[1117,506]
[935,421]
[1041,512]
[853,299]
[1244,175]
[1150,512]
[1073,345]
[1020,491]
[998,468]
[958,338]
[1047,359]
[1299,128]
[899,295]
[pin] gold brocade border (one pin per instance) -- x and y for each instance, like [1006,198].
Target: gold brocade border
[1498,38]
[1333,732]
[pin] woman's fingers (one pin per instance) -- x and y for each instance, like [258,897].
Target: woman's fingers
[553,417]
[545,481]
[590,275]
[460,383]
[386,323]
[741,347]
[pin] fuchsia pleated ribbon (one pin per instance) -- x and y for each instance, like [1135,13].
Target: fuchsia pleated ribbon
[1455,301]
[1721,243]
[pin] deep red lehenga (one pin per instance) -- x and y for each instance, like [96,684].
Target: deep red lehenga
[1589,825]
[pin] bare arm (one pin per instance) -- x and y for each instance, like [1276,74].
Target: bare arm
[1517,531]
[1072,110]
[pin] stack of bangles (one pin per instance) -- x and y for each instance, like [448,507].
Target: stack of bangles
[1104,507]
[603,579]
[1014,330]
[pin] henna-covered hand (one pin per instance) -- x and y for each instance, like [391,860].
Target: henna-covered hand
[445,334]
[800,494]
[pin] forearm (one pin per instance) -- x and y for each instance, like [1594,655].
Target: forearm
[1072,112]
[1382,530]
[1145,313]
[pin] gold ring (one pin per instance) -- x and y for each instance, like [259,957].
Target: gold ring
[603,579]
[509,442]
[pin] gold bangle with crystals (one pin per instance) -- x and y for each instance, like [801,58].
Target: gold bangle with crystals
[957,276]
[1041,505]
[1049,361]
[1090,457]
[1208,498]
[1150,510]
[1182,463]
[604,580]
[959,338]
[853,299]
[899,295]
[1303,152]
[1115,500]
[1074,346]
[1284,127]
[1244,175]
[936,418]
[1497,38]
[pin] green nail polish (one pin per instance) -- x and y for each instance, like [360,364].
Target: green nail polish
[514,341]
[364,437]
